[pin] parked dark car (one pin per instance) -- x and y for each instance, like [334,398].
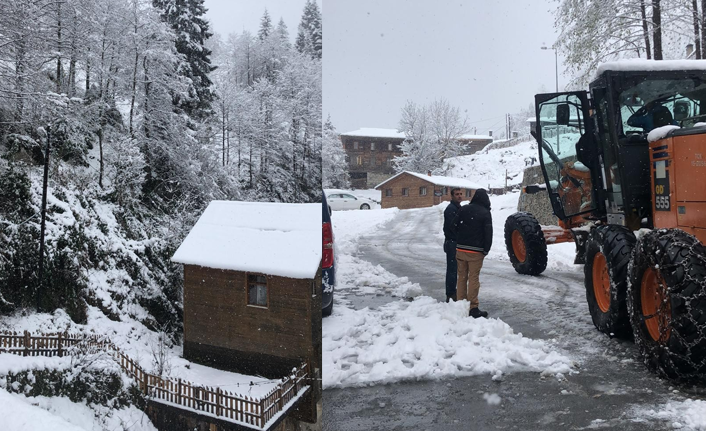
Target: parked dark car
[328,263]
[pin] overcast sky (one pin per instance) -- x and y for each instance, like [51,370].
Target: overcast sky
[484,57]
[234,16]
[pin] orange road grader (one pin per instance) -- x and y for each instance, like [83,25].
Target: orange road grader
[625,171]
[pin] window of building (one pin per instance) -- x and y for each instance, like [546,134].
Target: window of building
[468,193]
[445,191]
[388,192]
[389,161]
[405,192]
[389,147]
[355,145]
[372,146]
[359,160]
[257,290]
[422,191]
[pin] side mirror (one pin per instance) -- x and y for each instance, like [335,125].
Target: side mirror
[562,114]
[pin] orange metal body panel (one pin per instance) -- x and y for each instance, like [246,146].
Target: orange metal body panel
[678,177]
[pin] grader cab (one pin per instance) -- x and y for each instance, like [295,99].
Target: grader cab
[625,171]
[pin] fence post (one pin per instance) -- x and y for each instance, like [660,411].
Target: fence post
[219,409]
[280,401]
[179,393]
[146,382]
[59,346]
[27,341]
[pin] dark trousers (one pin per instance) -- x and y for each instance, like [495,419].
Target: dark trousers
[451,266]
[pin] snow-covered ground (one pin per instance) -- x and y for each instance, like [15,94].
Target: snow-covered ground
[421,339]
[487,168]
[138,342]
[689,414]
[20,413]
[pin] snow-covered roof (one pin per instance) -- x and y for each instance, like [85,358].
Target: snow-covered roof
[437,180]
[270,238]
[638,64]
[476,137]
[375,133]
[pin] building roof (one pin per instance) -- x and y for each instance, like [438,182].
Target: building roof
[376,133]
[437,180]
[393,133]
[477,137]
[270,238]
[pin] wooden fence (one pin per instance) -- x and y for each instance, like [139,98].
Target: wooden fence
[207,400]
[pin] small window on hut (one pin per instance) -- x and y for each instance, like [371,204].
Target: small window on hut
[388,192]
[422,191]
[405,192]
[257,290]
[468,193]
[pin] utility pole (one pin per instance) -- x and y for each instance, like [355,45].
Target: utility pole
[44,221]
[556,65]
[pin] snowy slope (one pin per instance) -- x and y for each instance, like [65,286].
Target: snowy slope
[487,168]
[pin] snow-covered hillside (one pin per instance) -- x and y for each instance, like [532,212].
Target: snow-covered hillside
[488,167]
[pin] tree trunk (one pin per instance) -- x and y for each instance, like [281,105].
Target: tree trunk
[657,29]
[88,70]
[223,131]
[134,92]
[228,139]
[703,33]
[645,29]
[697,34]
[58,48]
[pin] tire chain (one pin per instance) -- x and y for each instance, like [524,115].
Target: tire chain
[681,260]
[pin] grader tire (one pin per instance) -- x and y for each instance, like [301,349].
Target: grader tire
[667,304]
[608,252]
[525,244]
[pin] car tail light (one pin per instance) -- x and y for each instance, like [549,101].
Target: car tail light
[328,246]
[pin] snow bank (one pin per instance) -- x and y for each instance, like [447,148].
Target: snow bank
[488,168]
[10,363]
[426,339]
[688,414]
[21,413]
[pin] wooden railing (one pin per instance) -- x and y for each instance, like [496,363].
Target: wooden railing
[206,400]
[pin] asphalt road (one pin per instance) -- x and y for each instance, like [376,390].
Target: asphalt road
[611,381]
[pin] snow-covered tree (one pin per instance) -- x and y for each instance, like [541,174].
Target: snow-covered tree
[309,33]
[595,31]
[432,134]
[186,18]
[333,159]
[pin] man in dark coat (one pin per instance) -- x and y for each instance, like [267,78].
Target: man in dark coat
[450,242]
[474,236]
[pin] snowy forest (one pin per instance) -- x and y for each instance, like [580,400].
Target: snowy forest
[592,32]
[147,117]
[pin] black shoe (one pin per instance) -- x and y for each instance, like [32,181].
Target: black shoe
[476,313]
[451,297]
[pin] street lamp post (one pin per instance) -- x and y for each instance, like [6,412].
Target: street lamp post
[556,65]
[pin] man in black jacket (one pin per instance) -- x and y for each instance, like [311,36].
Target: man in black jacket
[474,236]
[450,242]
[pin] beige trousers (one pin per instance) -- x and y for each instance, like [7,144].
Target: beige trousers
[468,285]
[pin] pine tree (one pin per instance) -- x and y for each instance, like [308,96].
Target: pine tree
[309,32]
[186,19]
[265,26]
